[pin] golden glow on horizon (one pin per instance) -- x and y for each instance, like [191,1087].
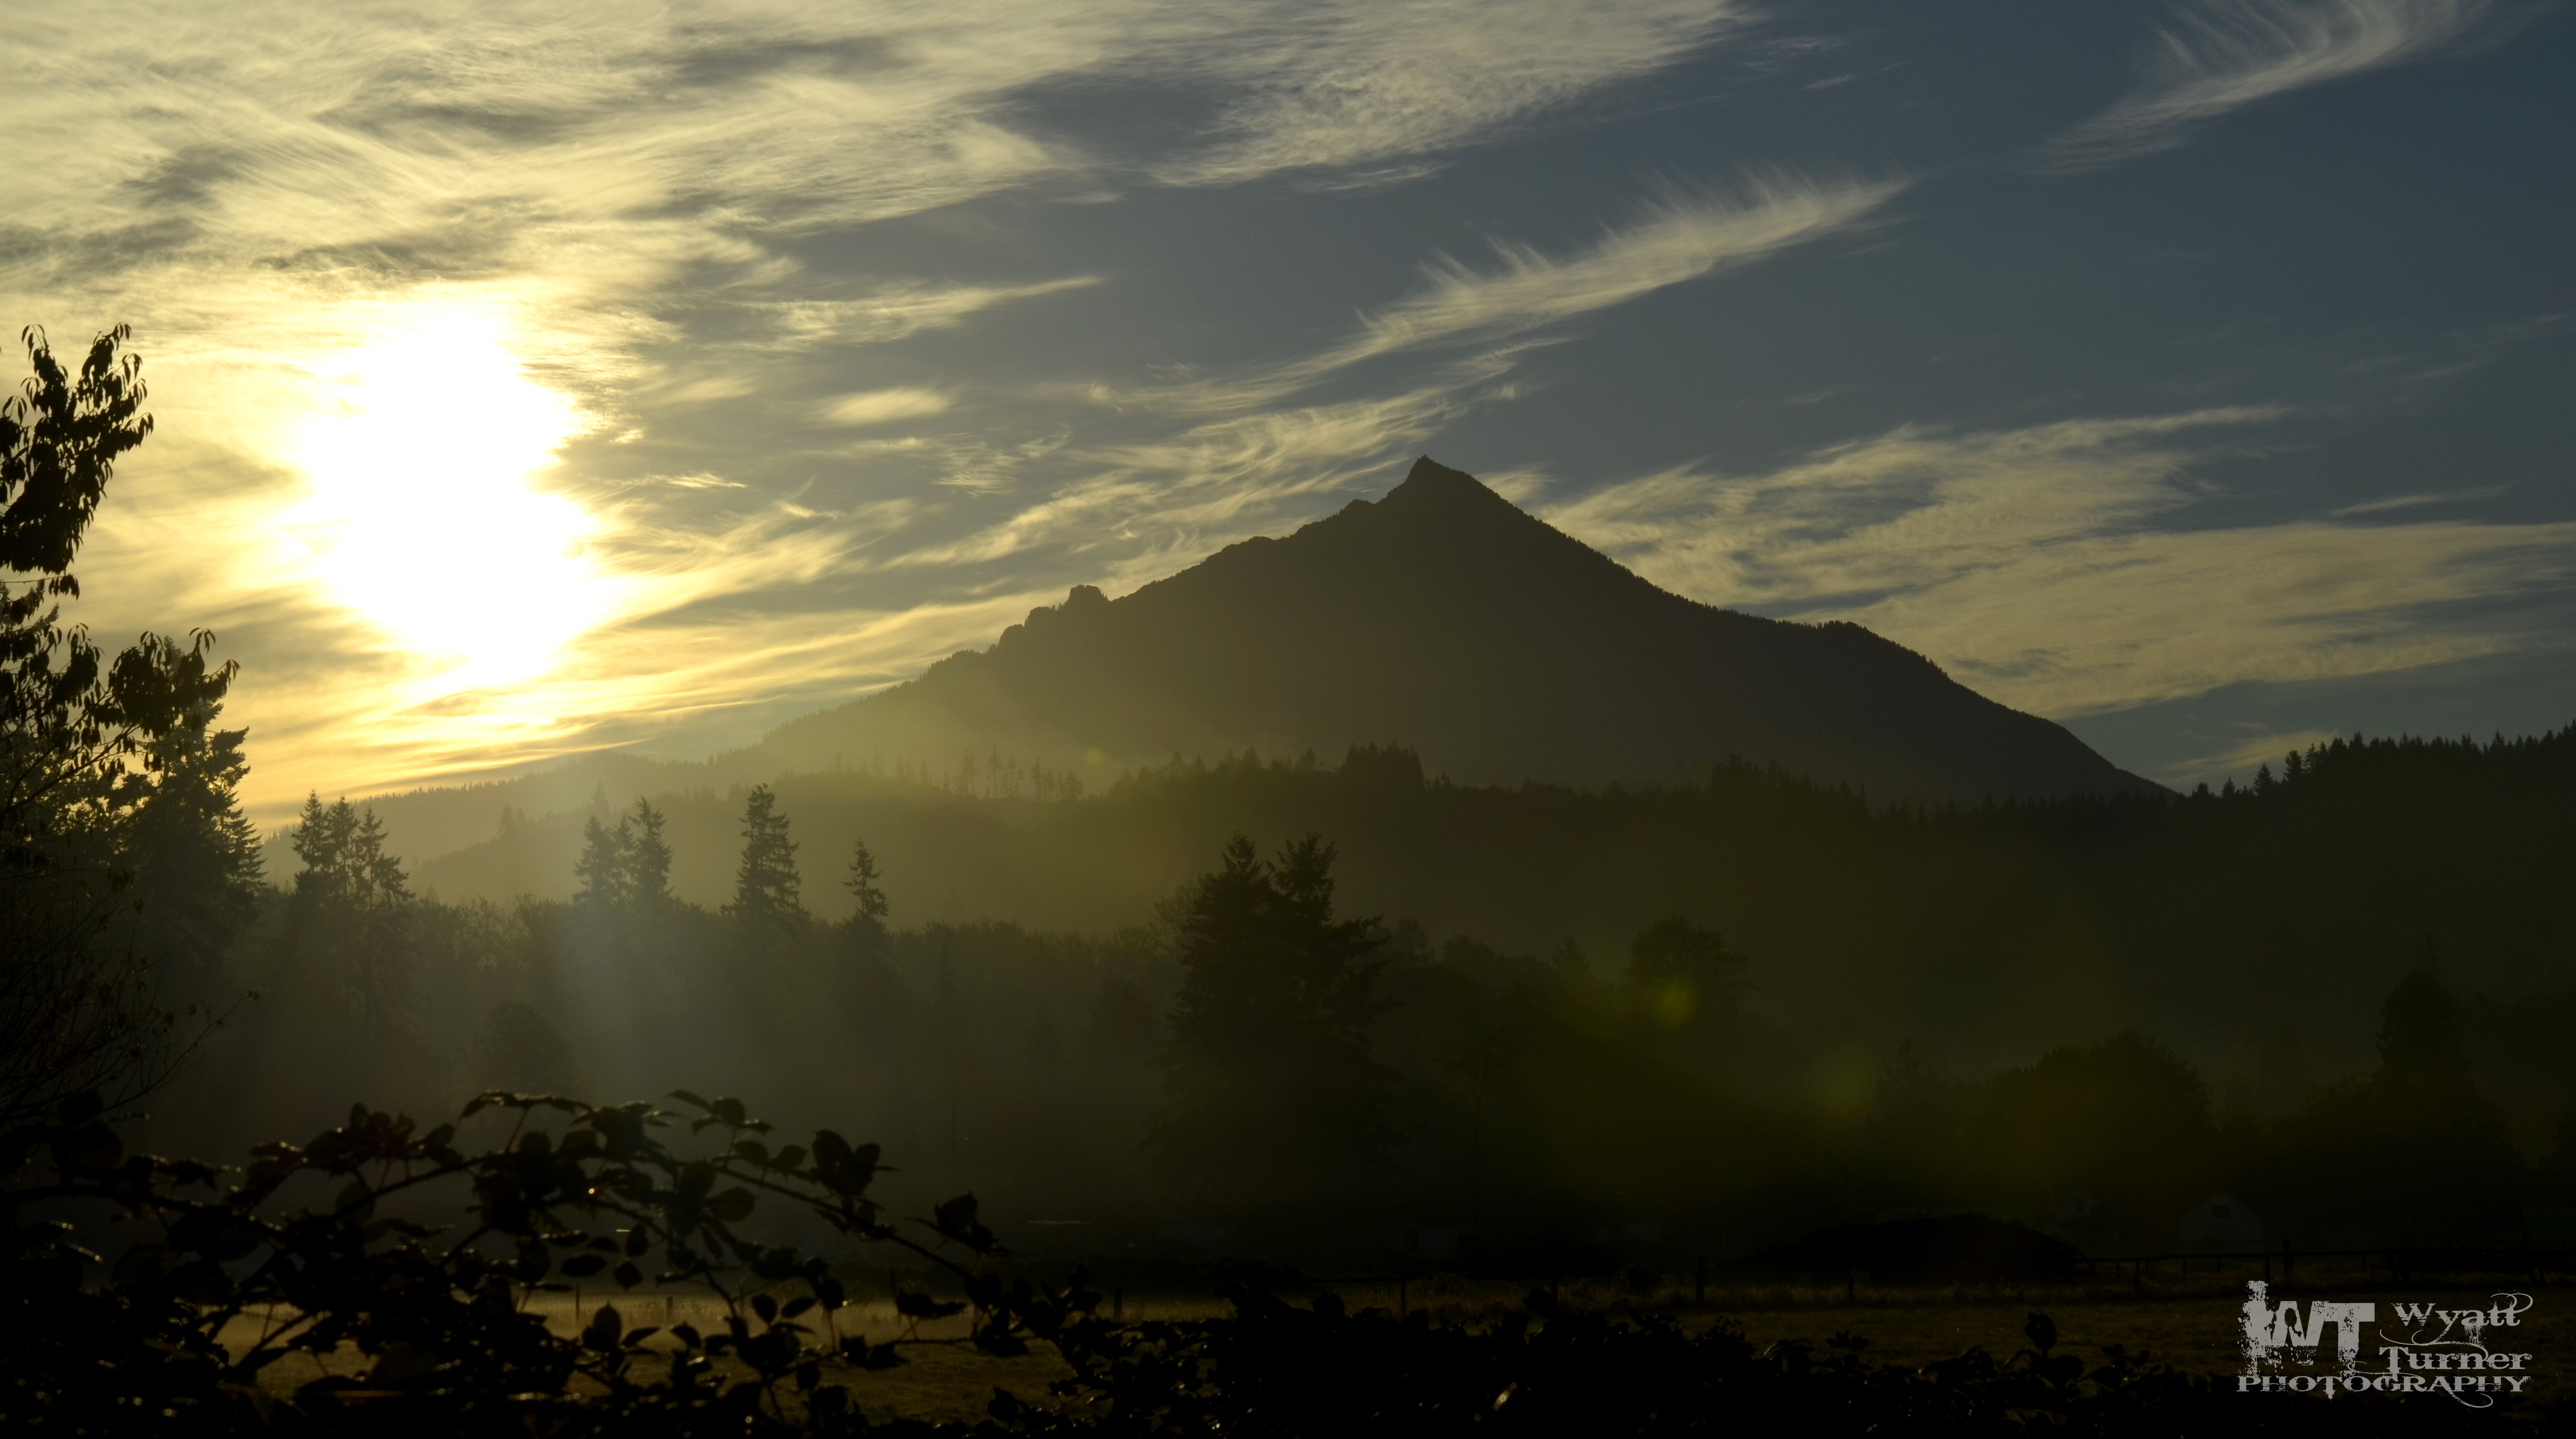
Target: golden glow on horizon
[421,517]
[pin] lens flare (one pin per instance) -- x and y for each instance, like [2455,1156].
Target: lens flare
[421,517]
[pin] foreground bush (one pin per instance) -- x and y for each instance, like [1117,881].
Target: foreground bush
[328,1247]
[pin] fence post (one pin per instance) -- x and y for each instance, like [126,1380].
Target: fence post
[2138,1276]
[1699,1290]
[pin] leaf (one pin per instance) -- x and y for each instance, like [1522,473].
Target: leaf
[765,1307]
[582,1266]
[604,1331]
[201,1282]
[732,1206]
[2042,1331]
[90,1146]
[627,1275]
[922,1306]
[141,1261]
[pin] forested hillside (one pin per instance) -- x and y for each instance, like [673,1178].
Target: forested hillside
[1732,1005]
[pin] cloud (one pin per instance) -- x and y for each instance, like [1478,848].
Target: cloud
[2222,55]
[1684,237]
[2411,502]
[2053,567]
[1150,506]
[898,312]
[665,214]
[1354,83]
[1246,453]
[877,407]
[1687,234]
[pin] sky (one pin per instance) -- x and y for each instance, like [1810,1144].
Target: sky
[532,379]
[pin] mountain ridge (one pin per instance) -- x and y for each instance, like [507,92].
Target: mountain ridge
[1447,619]
[1440,617]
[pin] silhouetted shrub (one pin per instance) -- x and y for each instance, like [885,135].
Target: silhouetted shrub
[329,1247]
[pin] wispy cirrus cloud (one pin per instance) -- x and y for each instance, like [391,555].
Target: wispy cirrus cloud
[878,407]
[1353,84]
[2222,55]
[1244,450]
[1684,234]
[2053,567]
[1150,505]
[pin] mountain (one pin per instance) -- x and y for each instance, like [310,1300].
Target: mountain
[1445,619]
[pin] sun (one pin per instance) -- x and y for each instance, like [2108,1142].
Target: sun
[421,516]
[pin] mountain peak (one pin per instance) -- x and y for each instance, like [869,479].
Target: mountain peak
[1447,619]
[1430,483]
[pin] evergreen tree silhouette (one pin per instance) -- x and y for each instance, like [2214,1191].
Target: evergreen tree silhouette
[1271,1094]
[2419,1024]
[602,872]
[648,861]
[868,924]
[767,908]
[349,920]
[195,857]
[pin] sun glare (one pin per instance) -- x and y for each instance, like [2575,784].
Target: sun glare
[421,517]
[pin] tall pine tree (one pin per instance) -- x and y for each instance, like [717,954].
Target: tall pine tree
[868,922]
[601,874]
[648,862]
[767,909]
[1272,1097]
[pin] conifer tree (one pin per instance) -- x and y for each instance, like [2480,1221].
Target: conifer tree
[648,861]
[868,923]
[349,921]
[767,907]
[1272,1096]
[603,872]
[194,856]
[2419,1026]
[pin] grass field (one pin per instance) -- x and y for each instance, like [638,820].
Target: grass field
[2189,1322]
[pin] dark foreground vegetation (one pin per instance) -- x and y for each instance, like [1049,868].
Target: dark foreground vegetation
[418,1256]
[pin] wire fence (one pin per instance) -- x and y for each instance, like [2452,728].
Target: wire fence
[2277,1263]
